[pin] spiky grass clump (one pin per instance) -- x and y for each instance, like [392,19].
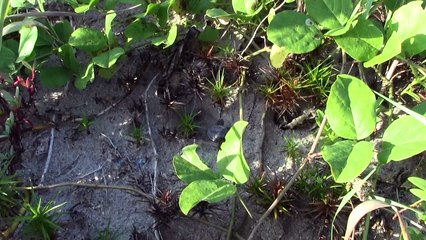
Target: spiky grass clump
[266,190]
[41,222]
[164,207]
[187,126]
[219,90]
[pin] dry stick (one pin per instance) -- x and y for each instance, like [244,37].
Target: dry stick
[154,149]
[260,24]
[49,154]
[89,185]
[290,183]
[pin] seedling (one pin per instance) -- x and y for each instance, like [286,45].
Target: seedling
[187,126]
[86,122]
[268,90]
[291,146]
[41,221]
[203,183]
[108,234]
[318,79]
[138,135]
[219,90]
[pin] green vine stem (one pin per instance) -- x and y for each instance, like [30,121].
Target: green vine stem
[307,159]
[232,221]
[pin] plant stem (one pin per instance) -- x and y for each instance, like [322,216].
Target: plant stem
[89,185]
[232,221]
[366,226]
[260,24]
[292,180]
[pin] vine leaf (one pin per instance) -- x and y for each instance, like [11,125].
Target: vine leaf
[230,158]
[330,14]
[211,191]
[189,167]
[347,159]
[351,108]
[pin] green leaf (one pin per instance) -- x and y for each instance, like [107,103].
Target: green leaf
[54,77]
[199,6]
[189,167]
[217,13]
[418,182]
[412,32]
[210,34]
[246,7]
[419,193]
[64,30]
[161,10]
[66,53]
[107,59]
[294,31]
[4,5]
[108,31]
[404,138]
[140,30]
[347,159]
[87,76]
[391,49]
[7,60]
[86,7]
[26,42]
[351,108]
[87,39]
[278,55]
[108,73]
[168,39]
[392,5]
[230,158]
[363,41]
[330,13]
[211,191]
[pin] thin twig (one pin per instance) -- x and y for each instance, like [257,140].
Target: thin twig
[88,185]
[154,149]
[91,172]
[307,159]
[260,24]
[49,154]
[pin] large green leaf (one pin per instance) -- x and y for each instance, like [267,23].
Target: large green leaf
[408,22]
[140,29]
[54,77]
[404,138]
[85,77]
[330,13]
[107,59]
[363,41]
[294,31]
[391,49]
[244,6]
[88,39]
[189,166]
[27,41]
[205,190]
[348,159]
[230,158]
[351,108]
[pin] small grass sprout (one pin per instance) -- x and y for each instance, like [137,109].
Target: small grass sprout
[108,234]
[292,147]
[218,89]
[318,79]
[9,197]
[85,123]
[187,126]
[268,90]
[41,222]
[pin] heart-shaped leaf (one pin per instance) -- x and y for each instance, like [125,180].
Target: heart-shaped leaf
[351,108]
[87,39]
[54,77]
[330,13]
[348,159]
[211,191]
[390,50]
[294,31]
[230,158]
[363,41]
[189,167]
